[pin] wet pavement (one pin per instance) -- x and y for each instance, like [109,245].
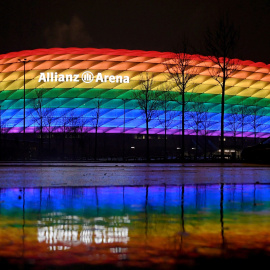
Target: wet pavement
[115,216]
[135,227]
[119,174]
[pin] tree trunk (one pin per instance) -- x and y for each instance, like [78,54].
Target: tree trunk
[41,142]
[124,146]
[180,137]
[242,136]
[1,142]
[147,141]
[165,144]
[73,145]
[95,150]
[50,143]
[82,146]
[222,215]
[235,144]
[182,208]
[197,139]
[205,146]
[63,145]
[124,131]
[183,127]
[222,120]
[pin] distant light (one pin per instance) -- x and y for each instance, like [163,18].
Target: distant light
[132,147]
[193,148]
[178,148]
[228,150]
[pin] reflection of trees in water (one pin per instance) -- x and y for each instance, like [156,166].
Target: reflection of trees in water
[165,193]
[23,225]
[160,199]
[96,193]
[182,216]
[106,215]
[123,200]
[182,209]
[254,195]
[221,215]
[242,196]
[0,200]
[146,212]
[200,200]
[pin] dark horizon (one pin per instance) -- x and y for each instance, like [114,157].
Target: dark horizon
[136,25]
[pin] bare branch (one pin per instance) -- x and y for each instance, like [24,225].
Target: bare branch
[148,99]
[95,113]
[181,71]
[167,114]
[221,44]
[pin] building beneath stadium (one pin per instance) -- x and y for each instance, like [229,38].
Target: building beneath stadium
[80,101]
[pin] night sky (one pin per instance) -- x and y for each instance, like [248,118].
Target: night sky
[144,25]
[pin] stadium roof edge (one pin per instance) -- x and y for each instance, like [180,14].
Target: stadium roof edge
[108,51]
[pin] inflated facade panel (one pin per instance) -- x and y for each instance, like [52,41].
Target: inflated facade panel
[249,87]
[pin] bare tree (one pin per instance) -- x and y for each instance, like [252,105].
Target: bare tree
[167,115]
[73,128]
[148,101]
[63,123]
[197,116]
[81,124]
[181,71]
[206,124]
[38,112]
[221,44]
[255,119]
[49,118]
[96,122]
[234,123]
[243,117]
[124,129]
[81,129]
[1,131]
[39,115]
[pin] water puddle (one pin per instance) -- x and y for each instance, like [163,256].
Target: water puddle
[142,226]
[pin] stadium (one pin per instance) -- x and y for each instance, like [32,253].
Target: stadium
[71,83]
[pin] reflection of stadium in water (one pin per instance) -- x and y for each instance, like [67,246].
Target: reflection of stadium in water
[69,232]
[145,224]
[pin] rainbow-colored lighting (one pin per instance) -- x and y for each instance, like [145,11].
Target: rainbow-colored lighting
[249,86]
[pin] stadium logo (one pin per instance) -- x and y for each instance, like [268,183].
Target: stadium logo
[86,77]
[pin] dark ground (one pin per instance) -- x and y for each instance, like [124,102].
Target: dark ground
[47,174]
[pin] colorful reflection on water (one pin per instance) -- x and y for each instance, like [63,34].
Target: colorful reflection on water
[133,226]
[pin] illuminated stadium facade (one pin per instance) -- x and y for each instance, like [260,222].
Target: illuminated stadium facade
[112,78]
